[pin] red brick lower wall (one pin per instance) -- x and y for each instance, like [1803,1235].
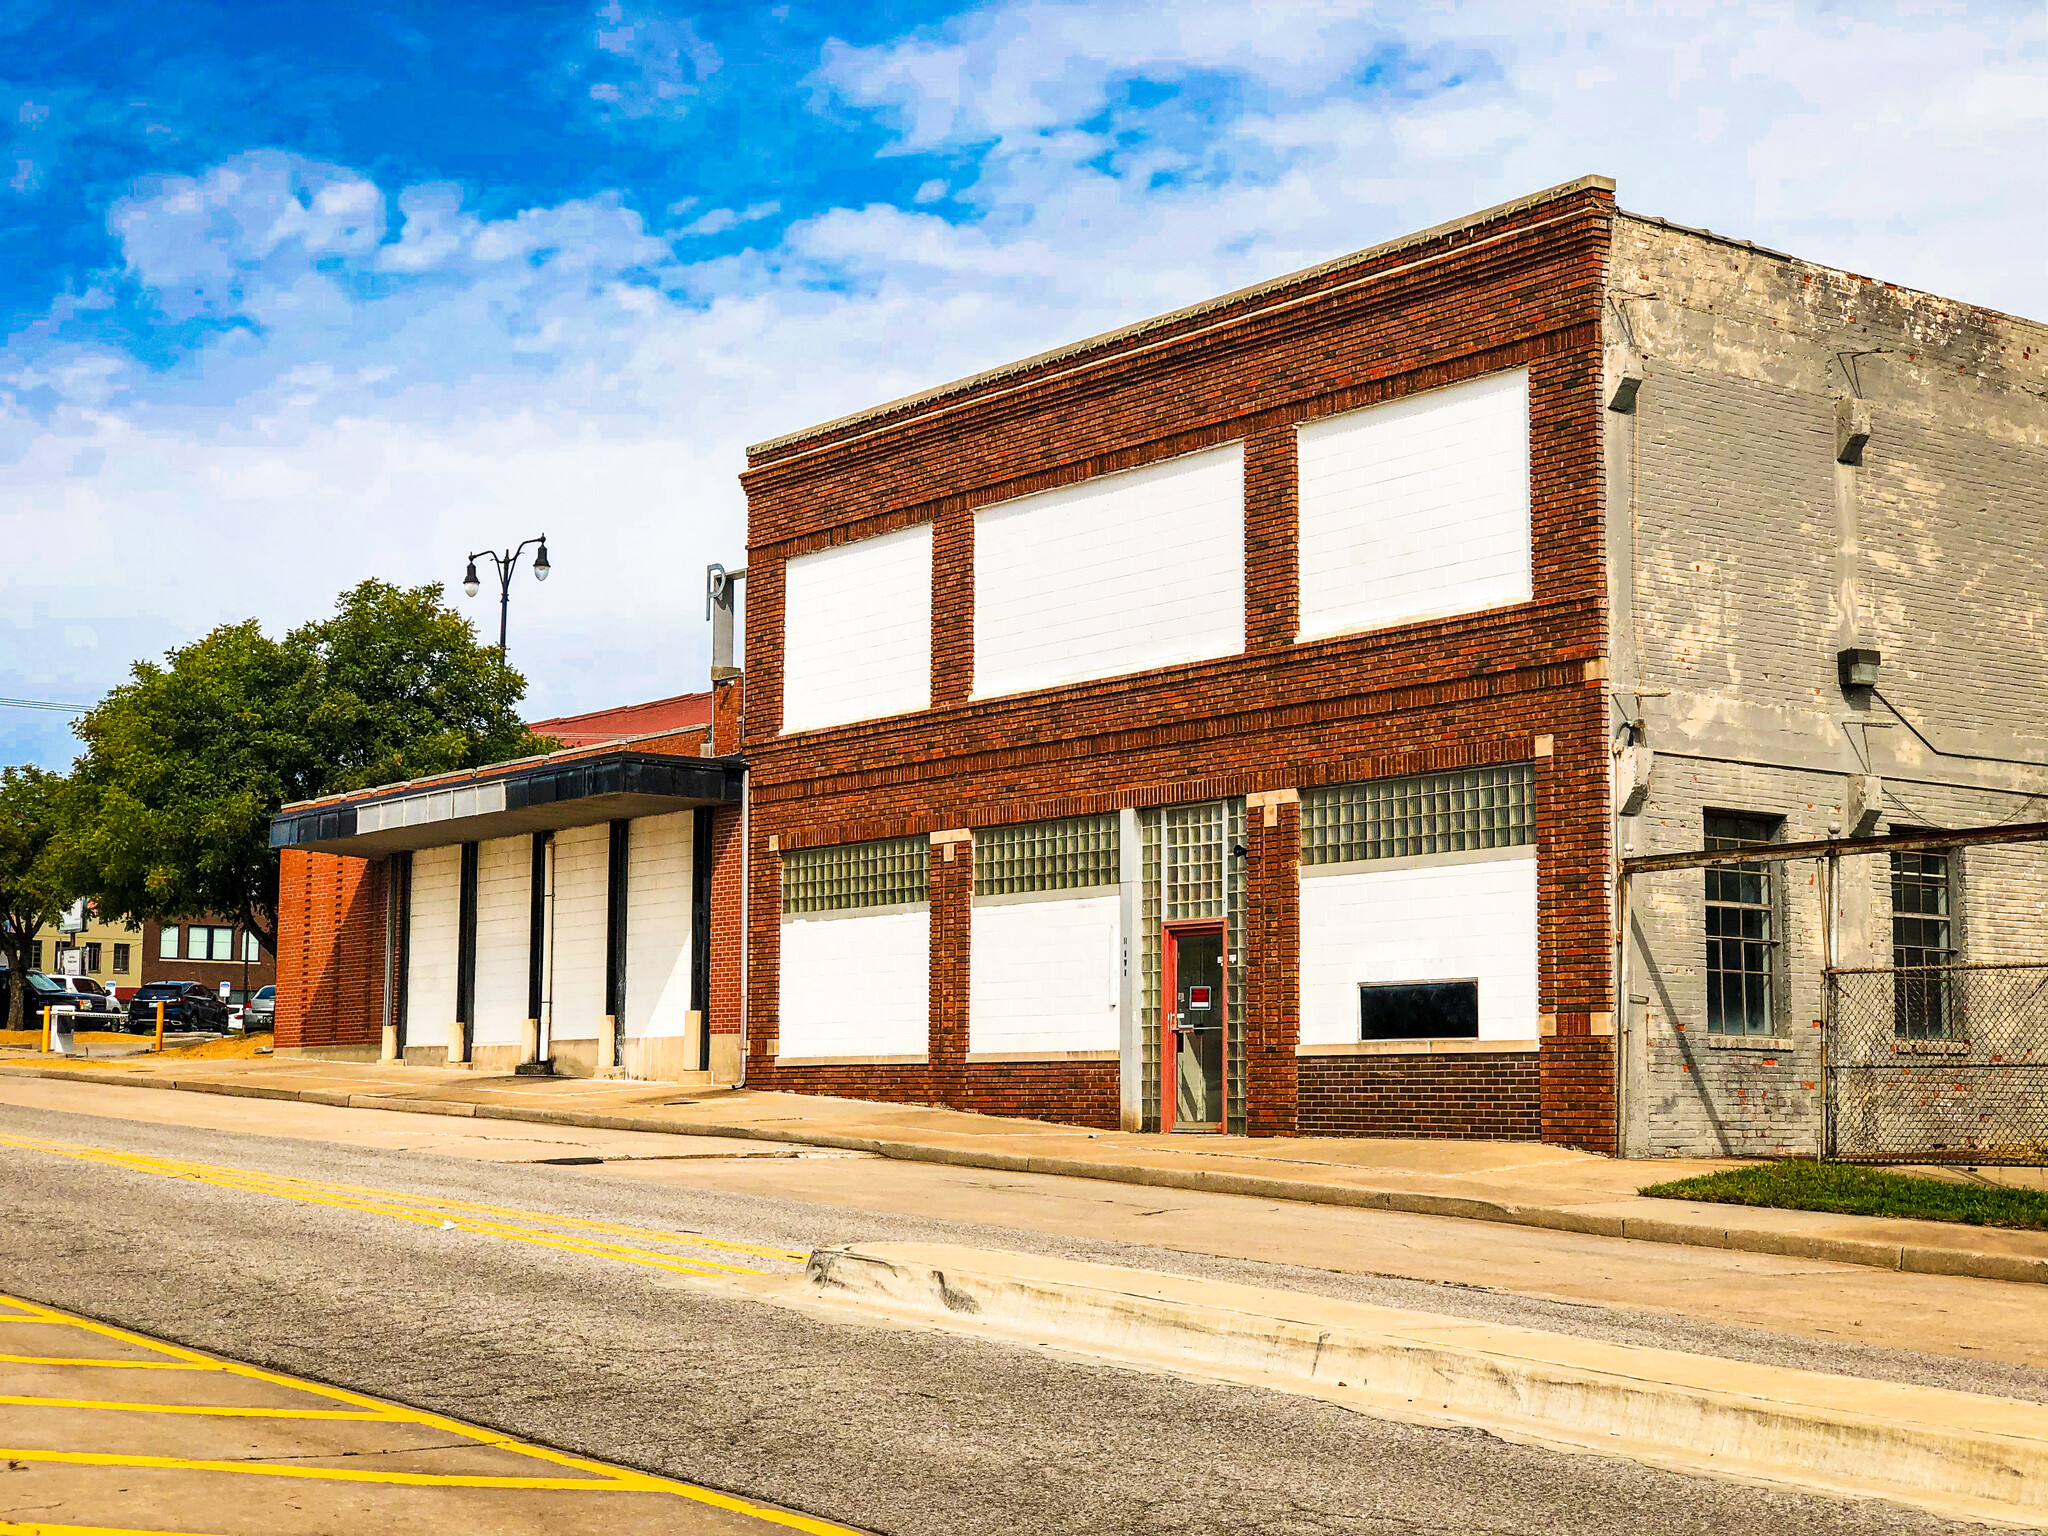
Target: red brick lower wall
[1477,1097]
[330,951]
[1066,1092]
[726,939]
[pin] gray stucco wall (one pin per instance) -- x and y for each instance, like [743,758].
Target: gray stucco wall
[1743,556]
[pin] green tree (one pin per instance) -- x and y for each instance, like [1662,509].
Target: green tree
[32,892]
[186,764]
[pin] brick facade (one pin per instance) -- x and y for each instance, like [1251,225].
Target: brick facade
[330,974]
[1481,1096]
[1520,289]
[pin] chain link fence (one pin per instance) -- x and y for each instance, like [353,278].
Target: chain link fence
[1938,1064]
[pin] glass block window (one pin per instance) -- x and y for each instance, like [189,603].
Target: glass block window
[1151,959]
[1063,855]
[1234,832]
[892,872]
[1428,813]
[1194,861]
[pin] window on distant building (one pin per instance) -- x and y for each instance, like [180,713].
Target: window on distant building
[1741,922]
[167,942]
[252,951]
[92,959]
[36,960]
[121,959]
[209,943]
[1923,938]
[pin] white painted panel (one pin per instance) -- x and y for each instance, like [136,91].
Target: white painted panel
[1416,508]
[1435,923]
[658,925]
[581,855]
[1043,975]
[857,630]
[504,921]
[432,943]
[856,986]
[1112,575]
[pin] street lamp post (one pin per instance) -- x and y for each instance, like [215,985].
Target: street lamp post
[506,563]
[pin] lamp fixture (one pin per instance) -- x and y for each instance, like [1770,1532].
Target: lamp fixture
[507,563]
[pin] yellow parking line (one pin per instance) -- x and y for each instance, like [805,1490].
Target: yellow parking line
[43,1528]
[112,1365]
[202,1410]
[316,1474]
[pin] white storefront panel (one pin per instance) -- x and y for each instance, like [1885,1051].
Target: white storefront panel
[856,986]
[857,631]
[1416,508]
[504,922]
[658,926]
[582,857]
[1445,917]
[431,945]
[1113,575]
[1043,975]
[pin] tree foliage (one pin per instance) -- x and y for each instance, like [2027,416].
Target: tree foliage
[32,889]
[186,764]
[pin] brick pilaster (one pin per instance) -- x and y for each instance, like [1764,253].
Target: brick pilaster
[1272,571]
[952,603]
[952,888]
[1273,969]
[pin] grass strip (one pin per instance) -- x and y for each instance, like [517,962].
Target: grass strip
[1858,1191]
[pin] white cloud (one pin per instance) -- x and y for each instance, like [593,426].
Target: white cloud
[470,380]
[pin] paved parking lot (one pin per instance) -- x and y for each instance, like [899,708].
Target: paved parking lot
[112,1433]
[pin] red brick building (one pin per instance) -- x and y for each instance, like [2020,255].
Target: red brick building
[1204,726]
[208,950]
[553,908]
[1235,722]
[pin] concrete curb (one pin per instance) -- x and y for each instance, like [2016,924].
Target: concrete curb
[1953,1452]
[1707,1229]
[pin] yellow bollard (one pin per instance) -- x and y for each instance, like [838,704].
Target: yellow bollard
[48,1015]
[159,1023]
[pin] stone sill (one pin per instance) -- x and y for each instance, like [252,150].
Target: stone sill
[1777,1045]
[1422,1048]
[918,1060]
[981,1058]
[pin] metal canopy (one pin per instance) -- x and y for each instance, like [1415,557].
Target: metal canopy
[539,797]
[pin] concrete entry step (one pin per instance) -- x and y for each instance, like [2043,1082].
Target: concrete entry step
[1957,1454]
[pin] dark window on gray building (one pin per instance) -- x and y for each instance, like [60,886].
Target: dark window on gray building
[1923,935]
[1741,930]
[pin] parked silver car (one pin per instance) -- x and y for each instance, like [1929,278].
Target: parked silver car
[260,1012]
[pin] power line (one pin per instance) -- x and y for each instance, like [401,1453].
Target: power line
[64,709]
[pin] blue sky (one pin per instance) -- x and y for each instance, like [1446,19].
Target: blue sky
[294,295]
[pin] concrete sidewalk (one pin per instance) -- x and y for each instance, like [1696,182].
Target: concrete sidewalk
[1515,1182]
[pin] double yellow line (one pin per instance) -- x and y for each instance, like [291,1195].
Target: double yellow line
[569,1234]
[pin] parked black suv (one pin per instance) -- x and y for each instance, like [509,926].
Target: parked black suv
[187,1005]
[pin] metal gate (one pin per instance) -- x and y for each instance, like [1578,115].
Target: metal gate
[1937,1064]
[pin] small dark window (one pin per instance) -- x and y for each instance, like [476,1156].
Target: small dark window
[120,959]
[1741,912]
[1419,1010]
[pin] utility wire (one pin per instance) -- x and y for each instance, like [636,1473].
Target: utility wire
[63,709]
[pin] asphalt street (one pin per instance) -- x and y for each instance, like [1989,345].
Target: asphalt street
[591,1314]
